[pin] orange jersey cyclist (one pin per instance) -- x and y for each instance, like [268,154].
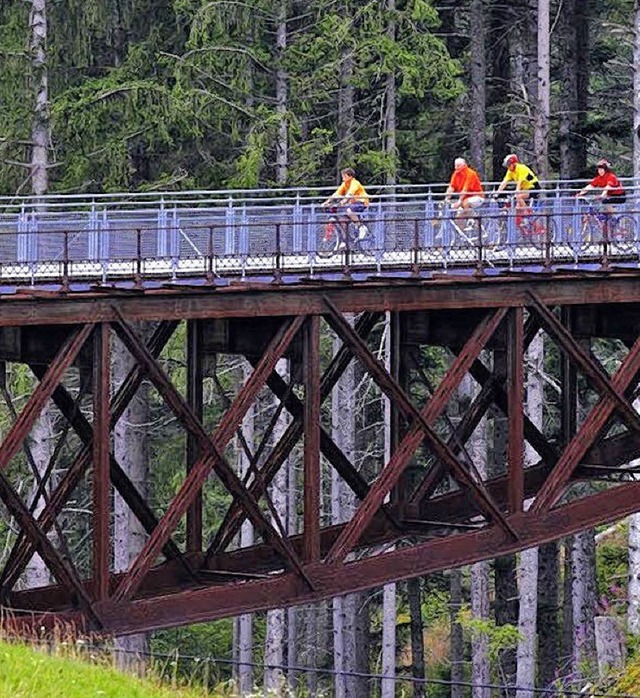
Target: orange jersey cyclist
[465,182]
[352,199]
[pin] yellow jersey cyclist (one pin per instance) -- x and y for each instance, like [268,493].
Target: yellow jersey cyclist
[352,199]
[527,183]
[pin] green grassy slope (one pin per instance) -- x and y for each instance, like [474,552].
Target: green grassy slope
[28,673]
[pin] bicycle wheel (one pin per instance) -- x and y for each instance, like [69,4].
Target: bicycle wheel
[540,230]
[364,245]
[329,241]
[591,230]
[494,233]
[624,230]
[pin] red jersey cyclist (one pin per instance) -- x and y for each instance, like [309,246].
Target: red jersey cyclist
[612,190]
[352,199]
[527,183]
[465,181]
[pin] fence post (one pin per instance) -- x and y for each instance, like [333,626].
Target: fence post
[229,232]
[277,272]
[297,225]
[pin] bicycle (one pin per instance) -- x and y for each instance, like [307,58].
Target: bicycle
[599,224]
[532,227]
[335,239]
[449,229]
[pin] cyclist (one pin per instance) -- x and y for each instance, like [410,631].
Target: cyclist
[527,183]
[352,200]
[612,190]
[464,181]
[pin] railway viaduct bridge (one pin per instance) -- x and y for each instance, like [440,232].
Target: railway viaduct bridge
[246,278]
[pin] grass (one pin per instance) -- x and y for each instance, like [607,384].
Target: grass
[29,673]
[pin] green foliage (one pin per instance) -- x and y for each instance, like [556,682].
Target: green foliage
[196,643]
[500,637]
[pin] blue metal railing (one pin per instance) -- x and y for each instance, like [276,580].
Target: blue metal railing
[241,239]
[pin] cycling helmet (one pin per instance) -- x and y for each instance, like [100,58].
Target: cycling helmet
[605,164]
[511,159]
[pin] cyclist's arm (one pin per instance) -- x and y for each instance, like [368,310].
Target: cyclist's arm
[605,191]
[501,186]
[447,194]
[336,195]
[584,190]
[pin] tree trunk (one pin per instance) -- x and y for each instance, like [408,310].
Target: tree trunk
[528,576]
[636,93]
[610,645]
[350,612]
[480,579]
[417,637]
[244,623]
[574,67]
[387,687]
[346,115]
[390,104]
[282,97]
[541,129]
[40,132]
[506,587]
[41,445]
[477,142]
[499,85]
[130,448]
[633,610]
[480,607]
[292,613]
[457,638]
[275,630]
[548,629]
[583,591]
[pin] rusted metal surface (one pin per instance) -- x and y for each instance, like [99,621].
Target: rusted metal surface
[515,399]
[311,459]
[436,524]
[101,514]
[195,358]
[446,291]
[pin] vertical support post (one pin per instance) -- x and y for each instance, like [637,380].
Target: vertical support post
[137,276]
[415,267]
[65,262]
[194,398]
[312,405]
[210,274]
[515,397]
[101,460]
[277,272]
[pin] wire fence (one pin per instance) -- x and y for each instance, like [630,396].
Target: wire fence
[412,237]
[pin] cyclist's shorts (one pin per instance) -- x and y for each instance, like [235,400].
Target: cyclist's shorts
[615,199]
[357,207]
[474,201]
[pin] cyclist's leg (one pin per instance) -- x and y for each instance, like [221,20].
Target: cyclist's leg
[471,204]
[353,211]
[522,211]
[609,207]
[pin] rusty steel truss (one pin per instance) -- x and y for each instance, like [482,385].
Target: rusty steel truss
[427,507]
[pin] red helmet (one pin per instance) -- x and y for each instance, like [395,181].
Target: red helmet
[511,159]
[605,164]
